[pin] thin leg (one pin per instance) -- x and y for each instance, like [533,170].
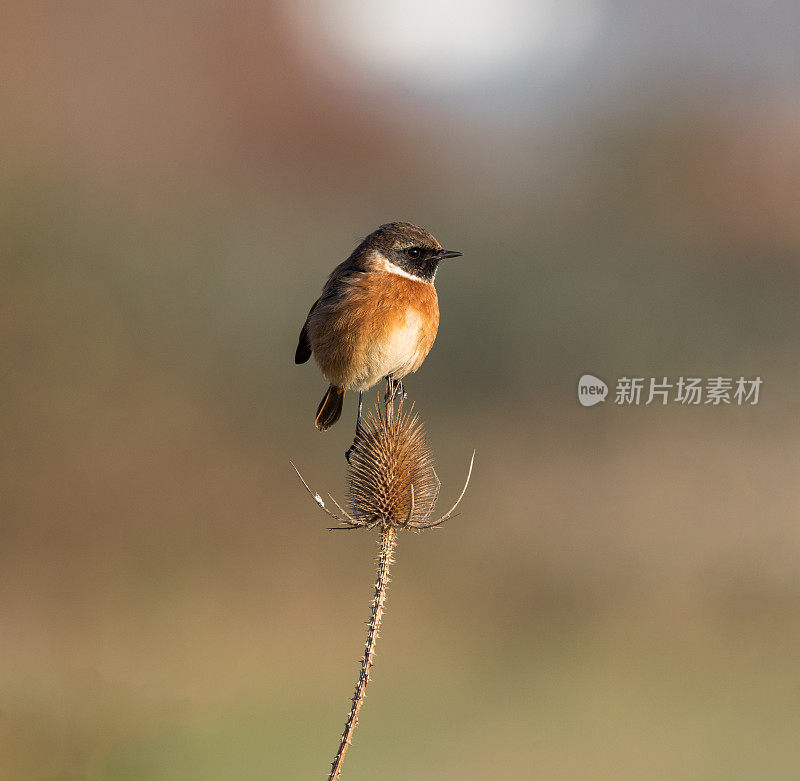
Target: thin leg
[393,387]
[358,425]
[358,417]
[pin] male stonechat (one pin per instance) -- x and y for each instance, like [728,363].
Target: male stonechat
[377,316]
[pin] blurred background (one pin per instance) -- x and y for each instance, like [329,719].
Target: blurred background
[618,597]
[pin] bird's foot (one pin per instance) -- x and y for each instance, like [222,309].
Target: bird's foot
[394,388]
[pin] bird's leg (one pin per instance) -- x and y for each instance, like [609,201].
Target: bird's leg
[358,426]
[358,417]
[393,388]
[388,397]
[396,388]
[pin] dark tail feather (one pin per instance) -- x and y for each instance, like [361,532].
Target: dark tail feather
[330,408]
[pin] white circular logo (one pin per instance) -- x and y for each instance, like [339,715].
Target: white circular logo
[591,390]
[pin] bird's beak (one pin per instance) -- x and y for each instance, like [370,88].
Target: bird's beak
[449,253]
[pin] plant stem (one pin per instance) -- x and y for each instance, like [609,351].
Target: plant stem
[388,542]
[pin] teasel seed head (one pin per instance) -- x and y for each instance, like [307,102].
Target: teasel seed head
[392,483]
[391,479]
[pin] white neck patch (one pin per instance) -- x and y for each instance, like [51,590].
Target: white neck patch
[392,268]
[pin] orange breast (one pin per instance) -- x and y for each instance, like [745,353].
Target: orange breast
[379,324]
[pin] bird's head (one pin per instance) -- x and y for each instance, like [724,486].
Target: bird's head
[407,247]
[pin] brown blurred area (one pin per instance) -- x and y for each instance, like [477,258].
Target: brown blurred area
[618,596]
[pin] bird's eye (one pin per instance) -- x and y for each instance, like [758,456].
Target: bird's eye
[413,252]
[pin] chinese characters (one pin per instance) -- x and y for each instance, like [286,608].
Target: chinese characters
[687,391]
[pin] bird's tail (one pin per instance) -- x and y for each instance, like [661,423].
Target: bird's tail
[330,408]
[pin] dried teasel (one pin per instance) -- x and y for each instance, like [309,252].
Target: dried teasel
[392,485]
[392,482]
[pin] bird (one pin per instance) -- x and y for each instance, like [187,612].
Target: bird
[377,316]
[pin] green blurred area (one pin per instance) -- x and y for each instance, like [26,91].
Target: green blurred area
[617,598]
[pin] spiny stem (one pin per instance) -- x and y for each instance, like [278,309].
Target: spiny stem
[385,558]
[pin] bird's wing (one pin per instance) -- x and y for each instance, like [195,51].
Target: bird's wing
[337,282]
[303,352]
